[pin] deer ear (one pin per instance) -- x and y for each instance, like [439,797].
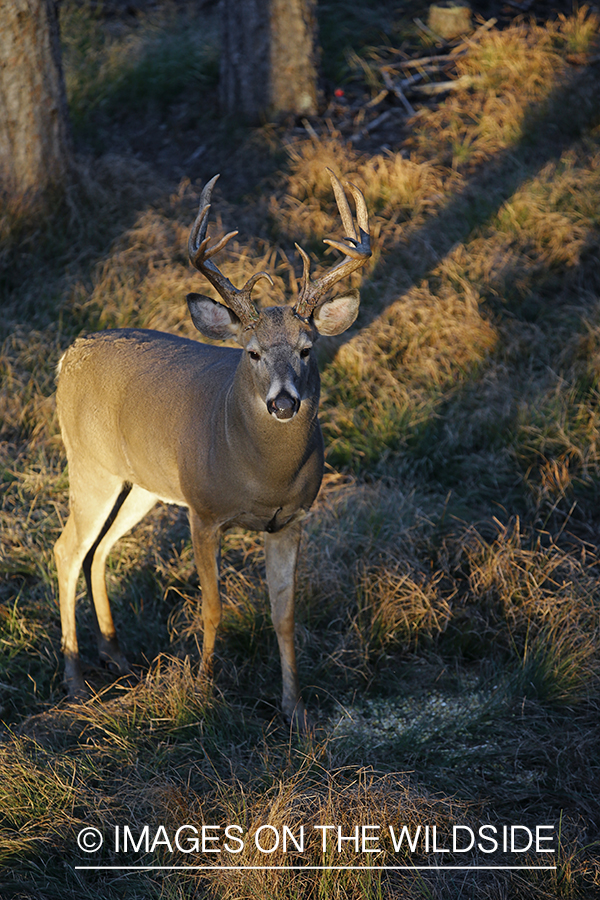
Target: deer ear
[212,319]
[336,315]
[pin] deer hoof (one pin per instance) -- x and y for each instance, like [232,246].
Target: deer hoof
[111,657]
[77,689]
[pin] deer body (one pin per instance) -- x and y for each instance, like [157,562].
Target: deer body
[232,435]
[238,465]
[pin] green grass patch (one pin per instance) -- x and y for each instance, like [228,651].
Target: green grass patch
[134,66]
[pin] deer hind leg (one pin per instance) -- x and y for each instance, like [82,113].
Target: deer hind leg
[91,502]
[206,543]
[281,551]
[132,505]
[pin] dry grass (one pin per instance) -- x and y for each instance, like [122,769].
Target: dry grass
[388,380]
[546,600]
[514,74]
[448,591]
[398,191]
[144,281]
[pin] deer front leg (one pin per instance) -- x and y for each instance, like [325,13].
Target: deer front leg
[206,543]
[281,551]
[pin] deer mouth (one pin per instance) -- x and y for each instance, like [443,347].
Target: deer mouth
[283,406]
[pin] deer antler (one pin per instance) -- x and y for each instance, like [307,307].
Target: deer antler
[201,255]
[357,250]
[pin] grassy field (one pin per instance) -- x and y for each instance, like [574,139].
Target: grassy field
[448,612]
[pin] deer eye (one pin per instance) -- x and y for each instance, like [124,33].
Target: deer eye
[254,355]
[305,352]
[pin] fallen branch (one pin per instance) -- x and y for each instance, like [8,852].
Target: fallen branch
[310,129]
[472,39]
[371,126]
[397,92]
[378,99]
[441,87]
[407,83]
[428,31]
[426,60]
[466,41]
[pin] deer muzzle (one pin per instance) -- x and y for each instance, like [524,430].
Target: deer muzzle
[283,406]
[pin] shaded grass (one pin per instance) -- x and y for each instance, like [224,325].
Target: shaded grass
[119,69]
[345,30]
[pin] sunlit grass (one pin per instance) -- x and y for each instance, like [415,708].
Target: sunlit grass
[510,70]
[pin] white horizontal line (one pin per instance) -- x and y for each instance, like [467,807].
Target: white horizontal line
[319,868]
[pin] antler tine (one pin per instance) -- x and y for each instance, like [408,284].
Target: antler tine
[201,254]
[357,250]
[342,205]
[198,232]
[305,275]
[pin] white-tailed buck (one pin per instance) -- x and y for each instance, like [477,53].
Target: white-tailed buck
[231,434]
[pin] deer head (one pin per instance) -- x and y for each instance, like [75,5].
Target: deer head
[277,340]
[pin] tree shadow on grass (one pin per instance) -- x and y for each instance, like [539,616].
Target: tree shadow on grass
[549,129]
[537,307]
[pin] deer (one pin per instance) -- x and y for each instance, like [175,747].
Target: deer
[231,433]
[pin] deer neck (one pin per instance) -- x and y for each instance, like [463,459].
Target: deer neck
[264,443]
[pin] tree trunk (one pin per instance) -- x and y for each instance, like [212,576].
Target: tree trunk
[293,64]
[35,151]
[268,63]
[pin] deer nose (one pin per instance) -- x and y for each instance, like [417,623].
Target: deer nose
[283,406]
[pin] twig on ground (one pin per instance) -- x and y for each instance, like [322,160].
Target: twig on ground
[371,126]
[378,99]
[428,31]
[310,129]
[470,40]
[441,87]
[426,60]
[398,92]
